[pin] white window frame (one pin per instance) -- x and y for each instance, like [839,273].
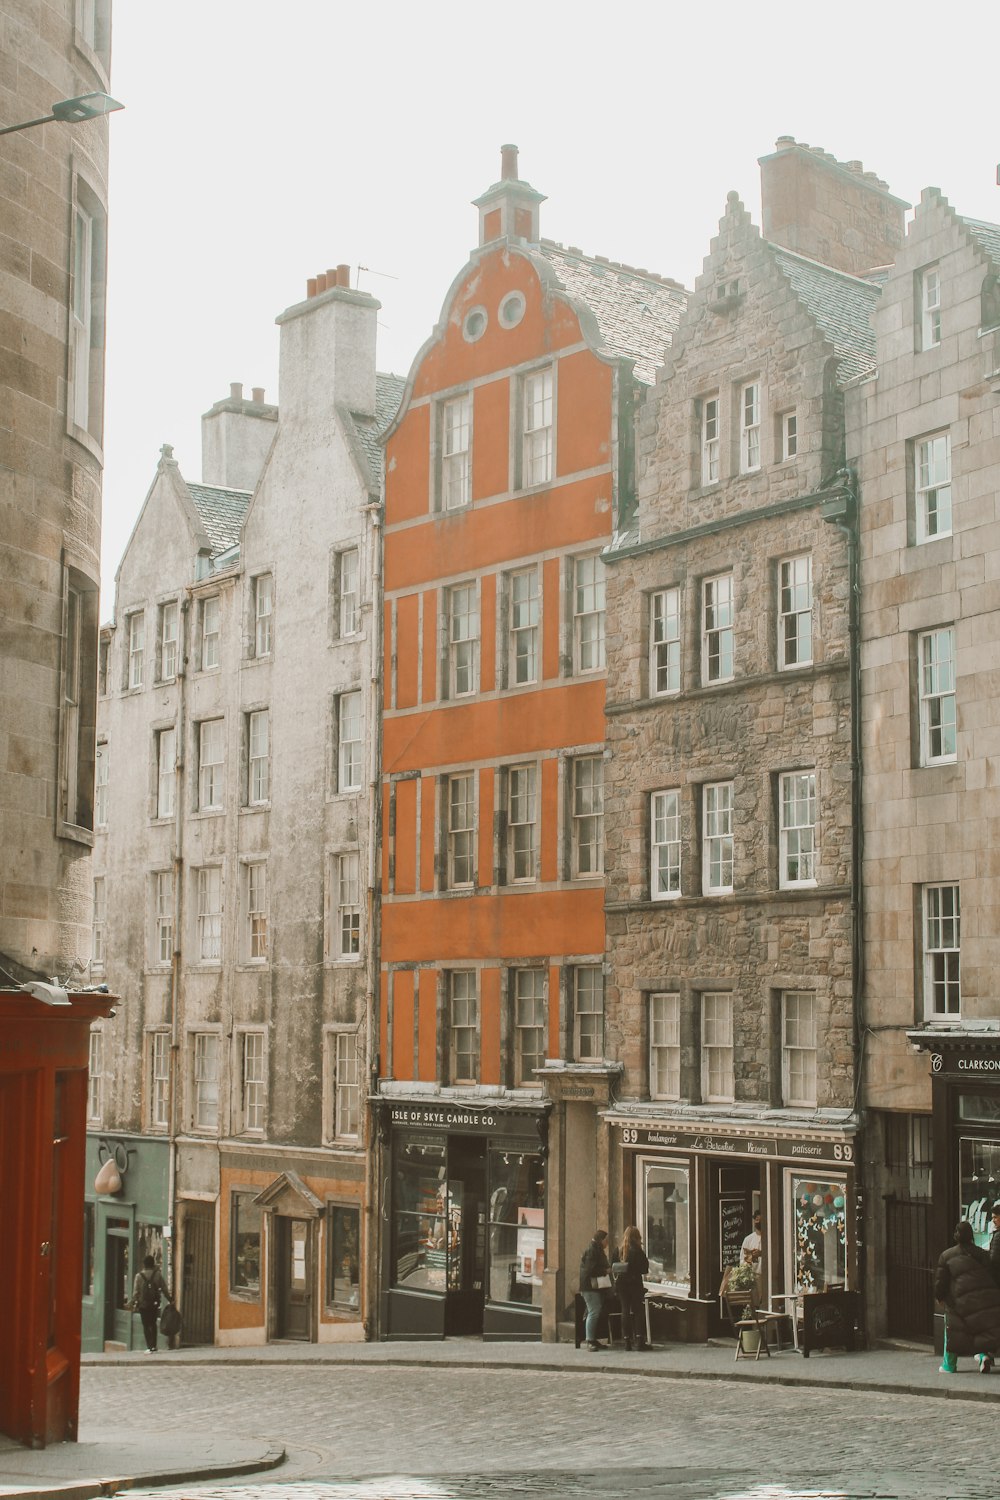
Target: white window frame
[258,757]
[136,648]
[346,873]
[718,615]
[537,427]
[665,642]
[166,772]
[718,855]
[798,1048]
[665,845]
[256,933]
[346,1070]
[460,822]
[81,314]
[169,639]
[102,767]
[253,1082]
[456,451]
[99,930]
[664,1045]
[718,1083]
[798,843]
[463,1026]
[463,639]
[936,679]
[162,894]
[932,486]
[529,994]
[525,618]
[588,614]
[211,765]
[587,817]
[588,1012]
[788,435]
[750,427]
[349,580]
[263,614]
[522,823]
[930,307]
[211,633]
[205,1100]
[942,939]
[208,913]
[711,413]
[795,610]
[350,741]
[95,1076]
[158,1056]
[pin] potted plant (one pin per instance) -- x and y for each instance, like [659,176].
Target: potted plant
[743,1278]
[740,1281]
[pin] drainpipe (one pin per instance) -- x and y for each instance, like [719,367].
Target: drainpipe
[373,989]
[841,510]
[176,956]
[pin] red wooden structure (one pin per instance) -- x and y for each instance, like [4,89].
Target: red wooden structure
[43,1120]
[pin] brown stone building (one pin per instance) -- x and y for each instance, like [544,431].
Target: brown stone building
[731,775]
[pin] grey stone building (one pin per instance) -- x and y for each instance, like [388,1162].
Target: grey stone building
[232,884]
[924,434]
[53,207]
[731,775]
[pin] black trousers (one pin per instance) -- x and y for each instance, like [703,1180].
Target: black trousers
[633,1315]
[149,1316]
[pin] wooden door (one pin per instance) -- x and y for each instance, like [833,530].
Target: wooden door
[197,1297]
[293,1279]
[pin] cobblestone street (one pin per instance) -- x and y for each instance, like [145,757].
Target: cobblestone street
[375,1433]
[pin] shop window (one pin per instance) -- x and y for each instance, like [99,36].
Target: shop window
[795,604]
[263,611]
[159,1079]
[666,1208]
[665,642]
[796,829]
[587,817]
[462,609]
[588,1013]
[798,1047]
[89,1228]
[258,743]
[166,638]
[463,1027]
[717,629]
[522,823]
[211,633]
[245,1246]
[343,1259]
[517,1226]
[588,614]
[525,610]
[717,1080]
[938,720]
[979,1167]
[942,951]
[665,845]
[818,1226]
[166,771]
[717,838]
[420,1217]
[665,1046]
[530,1025]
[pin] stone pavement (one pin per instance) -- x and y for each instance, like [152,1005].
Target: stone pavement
[210,1438]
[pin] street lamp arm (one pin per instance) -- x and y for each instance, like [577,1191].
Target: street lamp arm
[71,112]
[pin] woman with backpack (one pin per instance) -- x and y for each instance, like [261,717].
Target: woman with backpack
[146,1291]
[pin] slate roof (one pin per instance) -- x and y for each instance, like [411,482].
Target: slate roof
[987,236]
[221,512]
[842,306]
[637,313]
[368,430]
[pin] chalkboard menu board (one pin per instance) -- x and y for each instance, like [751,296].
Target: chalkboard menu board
[732,1231]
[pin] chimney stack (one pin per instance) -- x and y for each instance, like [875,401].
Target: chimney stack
[509,209]
[235,438]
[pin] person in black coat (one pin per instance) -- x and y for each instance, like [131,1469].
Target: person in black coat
[631,1289]
[593,1264]
[964,1283]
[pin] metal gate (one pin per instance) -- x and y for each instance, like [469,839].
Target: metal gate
[909,1268]
[198,1306]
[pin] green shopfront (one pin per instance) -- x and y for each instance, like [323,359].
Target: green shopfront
[121,1227]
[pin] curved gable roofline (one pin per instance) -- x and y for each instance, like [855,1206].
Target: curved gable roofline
[551,285]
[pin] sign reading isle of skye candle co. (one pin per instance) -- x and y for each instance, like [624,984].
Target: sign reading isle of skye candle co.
[714,1144]
[459,1117]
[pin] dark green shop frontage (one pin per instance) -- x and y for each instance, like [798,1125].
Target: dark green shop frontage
[121,1227]
[462,1220]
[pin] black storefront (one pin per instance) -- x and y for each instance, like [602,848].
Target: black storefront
[462,1219]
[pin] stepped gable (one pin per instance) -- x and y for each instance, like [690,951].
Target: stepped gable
[637,312]
[986,236]
[842,307]
[221,512]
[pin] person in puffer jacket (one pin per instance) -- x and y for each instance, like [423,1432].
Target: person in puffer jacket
[964,1283]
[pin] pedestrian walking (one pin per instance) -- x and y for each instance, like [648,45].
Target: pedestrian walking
[594,1279]
[964,1283]
[147,1289]
[631,1288]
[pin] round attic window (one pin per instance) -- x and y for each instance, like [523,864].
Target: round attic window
[475,324]
[511,310]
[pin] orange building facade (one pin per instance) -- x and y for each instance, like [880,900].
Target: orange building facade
[508,466]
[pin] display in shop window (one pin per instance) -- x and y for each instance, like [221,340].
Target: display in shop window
[980,1187]
[517,1226]
[667,1226]
[819,1224]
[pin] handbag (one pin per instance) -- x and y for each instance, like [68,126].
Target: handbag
[170,1321]
[602,1282]
[618,1270]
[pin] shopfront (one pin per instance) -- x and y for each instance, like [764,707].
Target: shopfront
[694,1194]
[123,1223]
[462,1220]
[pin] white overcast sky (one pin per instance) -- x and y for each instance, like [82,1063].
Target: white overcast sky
[263,142]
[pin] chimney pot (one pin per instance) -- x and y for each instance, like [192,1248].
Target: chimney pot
[783,142]
[311,287]
[853,166]
[331,276]
[344,276]
[508,163]
[236,390]
[258,395]
[321,282]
